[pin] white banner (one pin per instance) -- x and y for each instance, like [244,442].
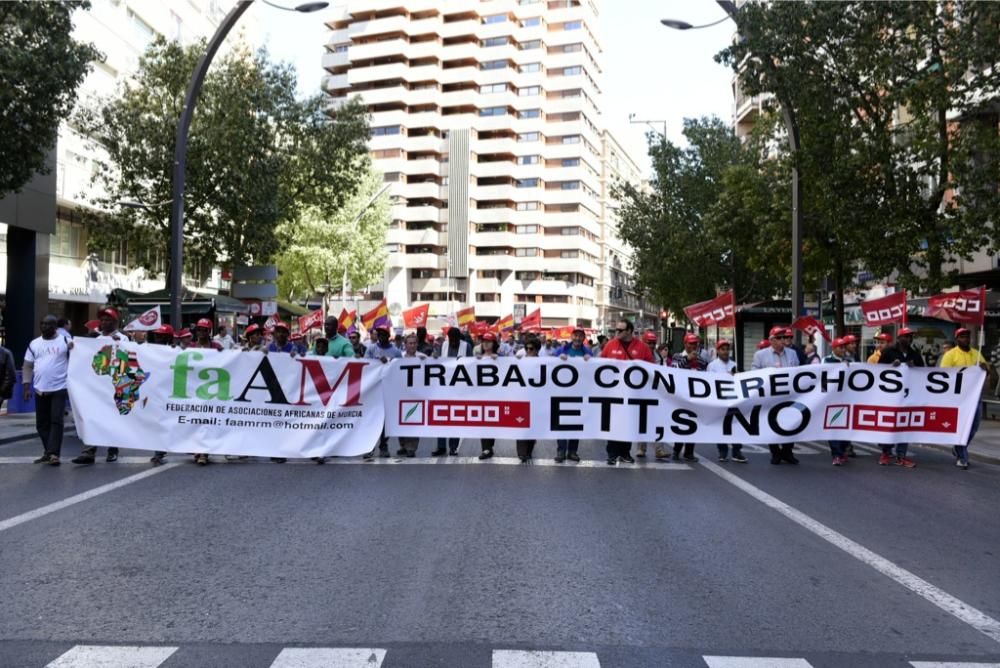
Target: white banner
[634,401]
[236,403]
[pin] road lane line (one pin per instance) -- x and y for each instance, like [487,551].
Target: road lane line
[329,657]
[79,498]
[962,611]
[509,658]
[754,662]
[952,664]
[404,461]
[113,656]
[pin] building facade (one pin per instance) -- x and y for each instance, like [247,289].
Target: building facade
[486,119]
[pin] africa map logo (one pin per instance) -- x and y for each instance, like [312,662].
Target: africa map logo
[126,375]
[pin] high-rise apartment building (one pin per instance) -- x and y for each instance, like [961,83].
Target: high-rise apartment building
[486,119]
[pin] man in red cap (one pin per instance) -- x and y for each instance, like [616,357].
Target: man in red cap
[964,355]
[182,338]
[881,341]
[624,347]
[203,336]
[650,339]
[777,356]
[692,359]
[839,450]
[281,344]
[108,334]
[851,347]
[254,339]
[896,355]
[724,365]
[163,336]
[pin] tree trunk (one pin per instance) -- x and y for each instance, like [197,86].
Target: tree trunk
[838,315]
[935,262]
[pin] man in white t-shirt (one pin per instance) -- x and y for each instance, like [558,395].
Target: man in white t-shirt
[46,363]
[723,364]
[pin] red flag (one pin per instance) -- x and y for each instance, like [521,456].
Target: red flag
[479,327]
[885,310]
[720,311]
[466,316]
[416,316]
[504,323]
[311,320]
[533,319]
[811,326]
[965,306]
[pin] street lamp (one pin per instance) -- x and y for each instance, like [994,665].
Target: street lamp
[354,223]
[135,204]
[792,127]
[180,146]
[633,121]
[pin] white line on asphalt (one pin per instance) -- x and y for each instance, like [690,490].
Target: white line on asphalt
[754,662]
[78,498]
[952,664]
[329,657]
[509,658]
[113,656]
[953,606]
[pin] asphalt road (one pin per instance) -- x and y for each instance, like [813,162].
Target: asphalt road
[450,564]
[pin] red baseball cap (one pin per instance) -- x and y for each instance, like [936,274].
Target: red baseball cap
[280,325]
[650,337]
[883,337]
[204,323]
[787,331]
[381,328]
[838,343]
[110,312]
[850,338]
[692,338]
[251,329]
[776,332]
[904,331]
[722,342]
[962,331]
[165,329]
[183,334]
[763,344]
[296,337]
[489,336]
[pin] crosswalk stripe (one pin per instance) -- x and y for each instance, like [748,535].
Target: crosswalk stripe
[511,658]
[952,664]
[329,657]
[113,656]
[754,662]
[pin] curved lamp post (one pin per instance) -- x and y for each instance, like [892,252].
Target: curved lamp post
[180,147]
[792,127]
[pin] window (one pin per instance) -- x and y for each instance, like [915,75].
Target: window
[526,275]
[67,240]
[570,71]
[493,88]
[391,177]
[528,159]
[569,231]
[527,229]
[530,44]
[571,162]
[341,48]
[528,91]
[493,65]
[571,139]
[531,21]
[526,252]
[530,67]
[494,41]
[493,111]
[572,25]
[572,48]
[569,254]
[528,136]
[527,206]
[385,130]
[529,113]
[496,18]
[527,183]
[569,185]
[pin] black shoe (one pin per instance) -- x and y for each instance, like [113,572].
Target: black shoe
[368,456]
[401,452]
[383,452]
[690,458]
[44,459]
[453,452]
[739,459]
[675,457]
[112,457]
[486,454]
[54,461]
[560,458]
[201,460]
[319,460]
[524,460]
[573,457]
[279,460]
[440,452]
[775,459]
[790,459]
[155,460]
[612,461]
[850,451]
[627,459]
[411,454]
[83,459]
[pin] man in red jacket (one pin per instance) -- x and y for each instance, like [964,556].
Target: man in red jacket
[624,347]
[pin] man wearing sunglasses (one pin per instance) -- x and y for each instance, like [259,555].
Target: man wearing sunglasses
[624,347]
[777,356]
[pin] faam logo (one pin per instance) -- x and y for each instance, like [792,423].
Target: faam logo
[150,317]
[838,416]
[411,412]
[513,414]
[940,419]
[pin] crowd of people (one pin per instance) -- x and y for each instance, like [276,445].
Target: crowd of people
[47,357]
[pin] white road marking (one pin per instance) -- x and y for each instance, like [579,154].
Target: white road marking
[329,657]
[952,664]
[113,656]
[962,611]
[754,662]
[509,658]
[79,498]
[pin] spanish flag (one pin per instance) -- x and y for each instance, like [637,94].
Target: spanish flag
[505,323]
[377,317]
[466,316]
[348,321]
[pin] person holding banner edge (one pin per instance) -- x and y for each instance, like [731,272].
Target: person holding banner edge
[778,356]
[901,353]
[624,347]
[723,364]
[488,349]
[109,333]
[838,355]
[964,355]
[689,358]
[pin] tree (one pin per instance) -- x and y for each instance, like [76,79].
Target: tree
[256,156]
[896,103]
[321,250]
[706,223]
[41,66]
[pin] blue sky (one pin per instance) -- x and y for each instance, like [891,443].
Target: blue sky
[650,70]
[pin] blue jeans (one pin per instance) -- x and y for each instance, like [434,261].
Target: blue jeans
[567,444]
[975,423]
[452,443]
[838,449]
[724,449]
[900,449]
[962,453]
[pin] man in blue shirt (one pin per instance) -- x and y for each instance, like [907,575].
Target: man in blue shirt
[281,344]
[382,350]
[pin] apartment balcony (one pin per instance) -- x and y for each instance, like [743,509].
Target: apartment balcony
[557,151]
[394,117]
[421,213]
[378,73]
[425,143]
[505,192]
[486,285]
[492,262]
[331,60]
[389,95]
[505,145]
[452,75]
[365,7]
[428,237]
[426,166]
[494,215]
[506,239]
[389,24]
[431,285]
[548,287]
[458,28]
[390,47]
[418,260]
[499,168]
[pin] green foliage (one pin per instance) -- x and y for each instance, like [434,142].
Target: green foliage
[257,156]
[318,247]
[708,221]
[41,66]
[896,104]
